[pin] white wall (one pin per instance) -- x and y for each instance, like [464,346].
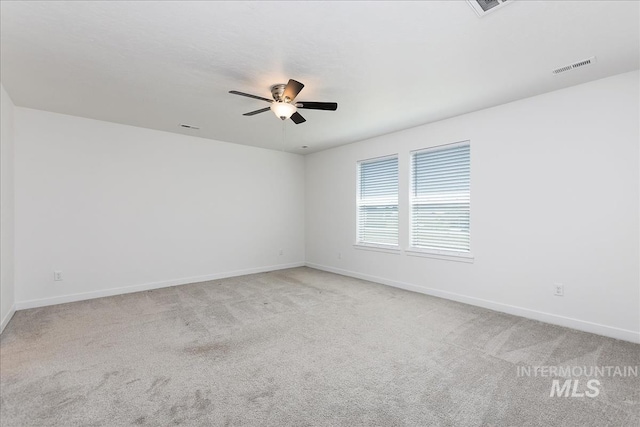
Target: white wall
[555,184]
[118,208]
[6,209]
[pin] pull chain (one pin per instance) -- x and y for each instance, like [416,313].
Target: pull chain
[284,130]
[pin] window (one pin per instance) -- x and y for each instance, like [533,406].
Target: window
[440,199]
[377,202]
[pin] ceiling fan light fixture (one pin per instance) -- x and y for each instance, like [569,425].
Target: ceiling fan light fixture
[283,110]
[284,105]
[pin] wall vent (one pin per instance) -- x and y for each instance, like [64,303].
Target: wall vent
[189,126]
[575,65]
[482,7]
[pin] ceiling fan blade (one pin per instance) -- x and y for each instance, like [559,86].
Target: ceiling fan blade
[248,95]
[330,106]
[253,113]
[297,118]
[292,89]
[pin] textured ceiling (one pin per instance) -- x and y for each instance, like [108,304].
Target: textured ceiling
[389,65]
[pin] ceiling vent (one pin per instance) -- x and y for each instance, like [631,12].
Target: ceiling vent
[482,7]
[575,65]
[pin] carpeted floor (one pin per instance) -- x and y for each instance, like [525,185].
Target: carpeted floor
[298,347]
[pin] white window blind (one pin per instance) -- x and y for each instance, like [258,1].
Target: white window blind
[440,199]
[378,201]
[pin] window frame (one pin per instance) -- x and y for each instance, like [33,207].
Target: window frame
[381,247]
[446,254]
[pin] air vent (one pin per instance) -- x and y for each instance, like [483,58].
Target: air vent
[575,65]
[482,7]
[189,126]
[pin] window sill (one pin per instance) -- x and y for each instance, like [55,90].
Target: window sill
[378,248]
[448,256]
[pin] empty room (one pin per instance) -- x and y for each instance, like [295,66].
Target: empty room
[320,213]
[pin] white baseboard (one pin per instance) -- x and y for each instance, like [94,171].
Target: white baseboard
[7,318]
[581,325]
[23,305]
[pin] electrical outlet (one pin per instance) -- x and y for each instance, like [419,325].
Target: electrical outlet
[57,276]
[558,289]
[281,251]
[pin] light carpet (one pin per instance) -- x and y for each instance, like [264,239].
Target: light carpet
[299,347]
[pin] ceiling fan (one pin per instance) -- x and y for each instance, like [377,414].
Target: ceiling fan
[282,103]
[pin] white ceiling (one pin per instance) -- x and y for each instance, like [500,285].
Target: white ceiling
[389,65]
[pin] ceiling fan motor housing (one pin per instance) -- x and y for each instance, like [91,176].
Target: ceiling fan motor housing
[277,91]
